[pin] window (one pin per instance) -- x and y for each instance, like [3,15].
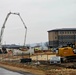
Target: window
[65,32]
[70,32]
[60,32]
[55,37]
[73,32]
[55,32]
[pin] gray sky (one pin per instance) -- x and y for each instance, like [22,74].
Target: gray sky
[39,17]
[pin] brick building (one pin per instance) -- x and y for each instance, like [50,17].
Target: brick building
[61,37]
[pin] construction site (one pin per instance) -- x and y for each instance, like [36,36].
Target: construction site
[38,62]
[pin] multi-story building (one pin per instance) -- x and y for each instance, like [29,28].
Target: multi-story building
[62,37]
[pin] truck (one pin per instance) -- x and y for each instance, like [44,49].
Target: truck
[3,27]
[55,60]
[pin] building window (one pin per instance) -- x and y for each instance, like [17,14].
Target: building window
[65,32]
[55,32]
[60,32]
[70,32]
[73,32]
[55,37]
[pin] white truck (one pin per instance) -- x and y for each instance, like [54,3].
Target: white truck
[55,60]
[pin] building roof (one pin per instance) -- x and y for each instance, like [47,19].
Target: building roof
[63,29]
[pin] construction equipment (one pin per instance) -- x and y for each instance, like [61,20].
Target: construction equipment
[3,27]
[68,53]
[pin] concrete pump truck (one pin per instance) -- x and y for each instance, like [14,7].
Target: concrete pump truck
[2,49]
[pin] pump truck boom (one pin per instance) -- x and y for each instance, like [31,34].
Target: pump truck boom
[3,27]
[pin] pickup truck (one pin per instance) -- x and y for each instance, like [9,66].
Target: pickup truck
[55,60]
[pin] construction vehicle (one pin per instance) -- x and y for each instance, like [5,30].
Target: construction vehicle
[3,27]
[68,53]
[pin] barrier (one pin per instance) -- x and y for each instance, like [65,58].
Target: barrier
[25,60]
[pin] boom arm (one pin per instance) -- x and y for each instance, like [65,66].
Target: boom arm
[3,27]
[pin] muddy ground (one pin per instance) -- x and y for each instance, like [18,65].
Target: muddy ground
[13,63]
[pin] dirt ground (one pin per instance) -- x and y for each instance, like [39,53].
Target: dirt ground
[21,68]
[38,70]
[13,64]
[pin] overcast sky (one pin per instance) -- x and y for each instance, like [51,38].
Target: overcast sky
[39,17]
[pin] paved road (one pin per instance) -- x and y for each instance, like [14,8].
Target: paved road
[7,72]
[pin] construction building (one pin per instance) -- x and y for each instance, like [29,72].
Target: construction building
[61,37]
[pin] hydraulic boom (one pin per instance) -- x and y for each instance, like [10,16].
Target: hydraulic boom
[3,27]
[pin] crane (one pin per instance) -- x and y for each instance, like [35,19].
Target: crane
[3,27]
